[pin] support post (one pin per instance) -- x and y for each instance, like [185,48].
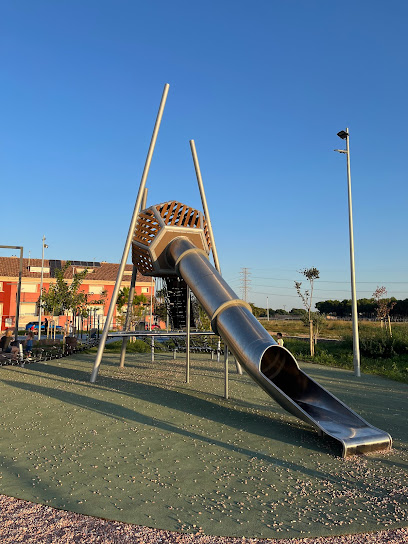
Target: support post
[225,371]
[125,340]
[151,304]
[205,207]
[129,237]
[41,288]
[128,314]
[188,336]
[239,367]
[20,273]
[152,349]
[209,226]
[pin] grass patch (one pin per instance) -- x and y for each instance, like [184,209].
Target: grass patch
[340,355]
[381,354]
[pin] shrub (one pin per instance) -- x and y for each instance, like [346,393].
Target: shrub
[138,346]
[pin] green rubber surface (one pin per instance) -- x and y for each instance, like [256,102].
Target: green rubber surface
[141,446]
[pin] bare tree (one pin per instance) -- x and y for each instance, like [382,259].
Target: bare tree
[311,274]
[384,306]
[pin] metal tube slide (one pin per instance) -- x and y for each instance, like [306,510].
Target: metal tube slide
[273,367]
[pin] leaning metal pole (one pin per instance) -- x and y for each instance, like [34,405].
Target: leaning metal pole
[132,226]
[207,217]
[354,314]
[130,299]
[205,206]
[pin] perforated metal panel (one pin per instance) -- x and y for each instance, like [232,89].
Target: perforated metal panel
[157,226]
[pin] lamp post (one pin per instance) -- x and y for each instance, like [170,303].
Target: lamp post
[44,245]
[344,135]
[267,307]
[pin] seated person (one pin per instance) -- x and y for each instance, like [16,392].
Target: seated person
[6,341]
[28,347]
[15,348]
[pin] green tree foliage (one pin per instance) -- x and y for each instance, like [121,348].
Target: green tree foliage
[298,311]
[65,297]
[137,309]
[257,311]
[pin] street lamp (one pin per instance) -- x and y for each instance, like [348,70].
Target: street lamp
[44,245]
[344,135]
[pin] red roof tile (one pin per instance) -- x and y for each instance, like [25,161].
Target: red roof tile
[9,267]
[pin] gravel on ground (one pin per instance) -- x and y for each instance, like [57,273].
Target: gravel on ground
[30,523]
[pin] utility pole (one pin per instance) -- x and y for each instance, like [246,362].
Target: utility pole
[44,245]
[245,281]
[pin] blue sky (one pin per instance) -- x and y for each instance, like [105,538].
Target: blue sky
[262,87]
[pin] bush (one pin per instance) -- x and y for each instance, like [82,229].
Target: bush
[138,346]
[379,344]
[377,347]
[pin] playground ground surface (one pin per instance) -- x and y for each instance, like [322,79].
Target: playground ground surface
[143,447]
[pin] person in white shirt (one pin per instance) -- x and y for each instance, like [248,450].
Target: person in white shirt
[280,339]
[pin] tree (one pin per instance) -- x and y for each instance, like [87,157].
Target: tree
[298,311]
[311,274]
[384,306]
[50,303]
[136,311]
[318,320]
[257,311]
[63,298]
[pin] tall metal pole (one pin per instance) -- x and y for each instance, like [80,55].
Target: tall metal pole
[130,299]
[267,307]
[128,314]
[41,287]
[129,237]
[354,313]
[225,371]
[151,304]
[205,207]
[207,216]
[188,336]
[20,274]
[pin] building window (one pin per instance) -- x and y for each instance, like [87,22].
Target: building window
[145,289]
[28,309]
[1,286]
[46,269]
[96,289]
[29,287]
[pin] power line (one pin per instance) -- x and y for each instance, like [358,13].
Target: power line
[333,281]
[328,290]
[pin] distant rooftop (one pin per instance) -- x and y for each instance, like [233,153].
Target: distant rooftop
[97,271]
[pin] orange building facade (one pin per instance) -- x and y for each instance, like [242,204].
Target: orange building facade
[101,277]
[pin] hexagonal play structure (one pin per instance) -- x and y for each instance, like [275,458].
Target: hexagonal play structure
[157,226]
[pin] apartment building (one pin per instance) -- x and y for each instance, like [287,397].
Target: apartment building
[101,277]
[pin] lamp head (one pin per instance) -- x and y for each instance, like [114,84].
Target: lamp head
[342,134]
